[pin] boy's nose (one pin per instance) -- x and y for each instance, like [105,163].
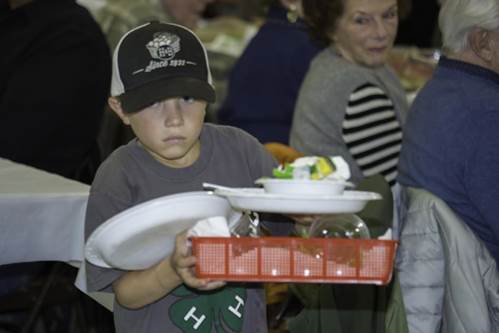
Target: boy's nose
[172,113]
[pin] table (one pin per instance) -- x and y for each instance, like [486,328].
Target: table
[42,219]
[41,215]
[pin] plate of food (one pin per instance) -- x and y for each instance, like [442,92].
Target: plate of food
[309,175]
[258,200]
[142,235]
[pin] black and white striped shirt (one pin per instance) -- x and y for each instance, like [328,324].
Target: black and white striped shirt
[372,132]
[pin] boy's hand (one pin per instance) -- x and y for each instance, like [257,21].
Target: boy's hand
[304,220]
[183,264]
[303,223]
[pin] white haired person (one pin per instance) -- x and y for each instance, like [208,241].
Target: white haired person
[451,140]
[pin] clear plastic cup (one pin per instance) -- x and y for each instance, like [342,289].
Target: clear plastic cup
[339,226]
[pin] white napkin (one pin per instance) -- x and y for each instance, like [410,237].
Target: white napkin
[215,226]
[387,235]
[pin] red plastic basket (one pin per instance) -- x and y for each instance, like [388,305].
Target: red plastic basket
[290,259]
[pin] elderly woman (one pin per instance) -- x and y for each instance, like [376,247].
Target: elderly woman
[351,103]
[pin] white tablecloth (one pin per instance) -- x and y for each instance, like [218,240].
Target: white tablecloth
[41,215]
[42,219]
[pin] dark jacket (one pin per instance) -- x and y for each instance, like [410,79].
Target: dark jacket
[264,83]
[55,72]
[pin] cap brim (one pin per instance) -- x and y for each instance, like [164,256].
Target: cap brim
[139,98]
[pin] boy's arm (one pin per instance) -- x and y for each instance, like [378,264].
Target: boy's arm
[136,289]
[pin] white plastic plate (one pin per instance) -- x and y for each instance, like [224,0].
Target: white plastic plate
[142,235]
[260,201]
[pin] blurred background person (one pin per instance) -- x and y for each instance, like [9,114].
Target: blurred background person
[116,17]
[55,70]
[351,103]
[451,143]
[55,73]
[264,82]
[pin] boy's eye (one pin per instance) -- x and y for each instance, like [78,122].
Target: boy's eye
[188,99]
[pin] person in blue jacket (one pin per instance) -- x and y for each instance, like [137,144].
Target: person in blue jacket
[264,83]
[451,138]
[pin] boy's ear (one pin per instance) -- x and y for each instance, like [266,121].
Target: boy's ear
[115,105]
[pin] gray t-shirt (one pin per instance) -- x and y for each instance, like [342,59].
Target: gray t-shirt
[131,176]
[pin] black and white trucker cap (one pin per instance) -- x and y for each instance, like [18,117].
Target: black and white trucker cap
[156,61]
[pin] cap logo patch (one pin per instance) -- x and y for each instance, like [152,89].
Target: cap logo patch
[163,48]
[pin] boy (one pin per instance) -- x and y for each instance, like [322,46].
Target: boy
[160,87]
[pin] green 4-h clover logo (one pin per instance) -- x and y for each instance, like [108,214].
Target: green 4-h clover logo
[201,312]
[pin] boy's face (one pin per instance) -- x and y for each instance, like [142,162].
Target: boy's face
[169,130]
